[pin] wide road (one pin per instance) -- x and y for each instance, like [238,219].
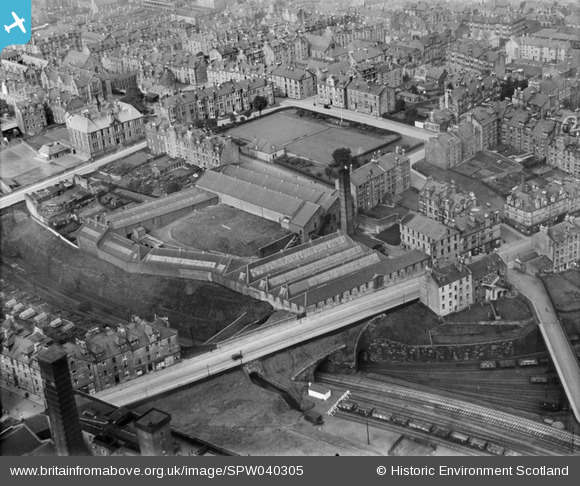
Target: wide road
[18,195]
[559,346]
[259,343]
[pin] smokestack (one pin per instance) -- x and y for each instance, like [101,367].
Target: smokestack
[59,394]
[346,202]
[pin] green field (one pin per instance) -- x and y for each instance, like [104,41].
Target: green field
[319,147]
[309,139]
[279,129]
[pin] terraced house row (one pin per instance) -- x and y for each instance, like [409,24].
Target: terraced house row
[214,102]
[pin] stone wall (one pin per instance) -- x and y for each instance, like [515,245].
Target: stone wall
[384,350]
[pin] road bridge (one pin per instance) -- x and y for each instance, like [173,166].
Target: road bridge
[560,348]
[260,343]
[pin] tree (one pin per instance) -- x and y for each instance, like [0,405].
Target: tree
[566,103]
[173,186]
[134,97]
[399,105]
[341,157]
[260,102]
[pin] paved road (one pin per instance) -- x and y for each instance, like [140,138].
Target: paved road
[401,128]
[510,251]
[18,195]
[259,343]
[561,351]
[417,180]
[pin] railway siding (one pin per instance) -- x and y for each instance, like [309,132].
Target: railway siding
[459,407]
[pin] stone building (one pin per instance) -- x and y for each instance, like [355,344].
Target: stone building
[541,201]
[193,145]
[293,82]
[107,357]
[380,180]
[30,116]
[447,289]
[370,98]
[103,128]
[438,241]
[560,243]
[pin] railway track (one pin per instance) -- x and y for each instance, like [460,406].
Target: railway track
[59,298]
[526,401]
[454,406]
[483,431]
[407,432]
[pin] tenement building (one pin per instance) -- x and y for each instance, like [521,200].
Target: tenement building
[191,144]
[379,180]
[454,287]
[560,243]
[435,239]
[479,227]
[542,201]
[108,357]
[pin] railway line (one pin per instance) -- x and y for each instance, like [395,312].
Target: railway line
[492,434]
[460,408]
[19,277]
[508,389]
[419,436]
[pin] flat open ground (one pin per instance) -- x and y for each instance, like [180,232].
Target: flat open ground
[279,128]
[564,294]
[319,147]
[226,229]
[464,184]
[510,309]
[51,135]
[308,138]
[24,166]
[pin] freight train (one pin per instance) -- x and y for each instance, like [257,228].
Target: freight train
[511,363]
[426,427]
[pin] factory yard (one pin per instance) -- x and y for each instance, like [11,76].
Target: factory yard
[242,417]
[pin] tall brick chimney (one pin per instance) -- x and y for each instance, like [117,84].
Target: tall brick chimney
[346,201]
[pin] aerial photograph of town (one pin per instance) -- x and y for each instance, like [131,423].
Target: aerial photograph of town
[290,228]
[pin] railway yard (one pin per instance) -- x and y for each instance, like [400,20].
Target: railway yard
[439,419]
[512,388]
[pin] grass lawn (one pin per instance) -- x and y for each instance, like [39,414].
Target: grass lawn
[573,276]
[564,295]
[515,309]
[228,230]
[473,333]
[320,146]
[279,129]
[408,325]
